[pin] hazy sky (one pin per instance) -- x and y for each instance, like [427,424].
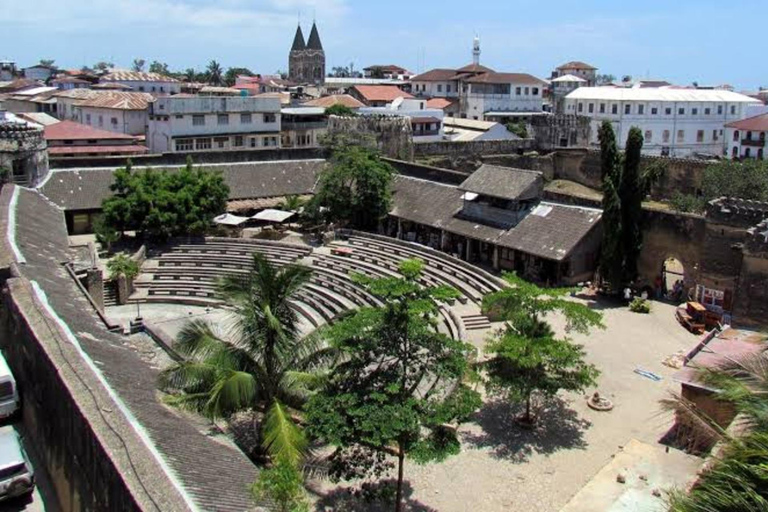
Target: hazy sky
[678,40]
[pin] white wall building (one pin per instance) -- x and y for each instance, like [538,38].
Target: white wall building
[426,123]
[138,81]
[213,123]
[578,69]
[458,129]
[746,137]
[675,121]
[114,111]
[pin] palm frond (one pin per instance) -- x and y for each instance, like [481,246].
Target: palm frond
[704,430]
[283,439]
[232,392]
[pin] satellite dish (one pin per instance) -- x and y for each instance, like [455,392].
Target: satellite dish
[397,102]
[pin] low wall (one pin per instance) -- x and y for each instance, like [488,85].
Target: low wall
[202,157]
[475,147]
[427,172]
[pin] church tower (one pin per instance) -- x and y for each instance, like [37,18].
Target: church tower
[306,61]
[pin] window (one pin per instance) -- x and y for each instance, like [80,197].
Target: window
[591,108]
[184,144]
[627,108]
[665,136]
[581,107]
[270,118]
[614,109]
[733,110]
[161,106]
[707,111]
[736,136]
[518,91]
[602,108]
[221,142]
[668,111]
[114,121]
[748,152]
[700,136]
[535,91]
[680,136]
[253,142]
[238,141]
[162,89]
[223,104]
[198,120]
[101,120]
[245,118]
[640,110]
[694,111]
[141,88]
[179,116]
[719,110]
[681,111]
[654,111]
[749,135]
[527,91]
[202,144]
[648,135]
[448,88]
[88,118]
[439,87]
[714,135]
[154,88]
[222,119]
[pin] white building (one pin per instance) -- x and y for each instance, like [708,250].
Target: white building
[746,137]
[426,123]
[578,69]
[675,121]
[139,81]
[561,87]
[202,123]
[114,111]
[302,127]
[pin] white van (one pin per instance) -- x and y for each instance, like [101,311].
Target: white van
[9,395]
[17,478]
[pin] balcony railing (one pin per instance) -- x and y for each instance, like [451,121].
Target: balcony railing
[759,143]
[303,126]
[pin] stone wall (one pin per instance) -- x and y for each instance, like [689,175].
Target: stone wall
[23,153]
[474,147]
[392,135]
[560,130]
[427,172]
[751,305]
[202,157]
[83,474]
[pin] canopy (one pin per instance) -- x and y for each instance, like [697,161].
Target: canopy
[270,215]
[229,220]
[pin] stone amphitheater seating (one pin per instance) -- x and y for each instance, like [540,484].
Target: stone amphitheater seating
[188,274]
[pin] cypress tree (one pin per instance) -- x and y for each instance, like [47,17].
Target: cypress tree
[611,257]
[631,192]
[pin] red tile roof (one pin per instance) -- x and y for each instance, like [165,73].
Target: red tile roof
[334,99]
[440,103]
[70,130]
[576,64]
[474,68]
[381,92]
[422,120]
[435,75]
[755,124]
[132,149]
[505,78]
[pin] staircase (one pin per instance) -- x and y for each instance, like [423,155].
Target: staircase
[110,293]
[476,322]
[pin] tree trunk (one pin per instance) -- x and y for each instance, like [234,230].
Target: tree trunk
[528,409]
[399,498]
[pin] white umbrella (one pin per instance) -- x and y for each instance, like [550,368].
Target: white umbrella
[229,220]
[270,215]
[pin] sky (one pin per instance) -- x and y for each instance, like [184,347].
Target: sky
[681,41]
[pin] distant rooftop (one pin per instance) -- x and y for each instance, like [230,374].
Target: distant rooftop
[657,94]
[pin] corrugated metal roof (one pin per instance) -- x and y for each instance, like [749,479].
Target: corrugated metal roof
[658,94]
[126,75]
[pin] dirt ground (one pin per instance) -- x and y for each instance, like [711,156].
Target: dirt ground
[504,468]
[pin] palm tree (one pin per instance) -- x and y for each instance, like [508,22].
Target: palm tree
[214,72]
[259,362]
[737,479]
[190,75]
[292,203]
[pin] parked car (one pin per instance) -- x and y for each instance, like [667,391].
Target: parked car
[17,478]
[9,395]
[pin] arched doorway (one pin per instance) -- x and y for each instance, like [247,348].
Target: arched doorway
[673,280]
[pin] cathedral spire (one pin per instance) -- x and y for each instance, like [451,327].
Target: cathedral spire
[298,40]
[313,43]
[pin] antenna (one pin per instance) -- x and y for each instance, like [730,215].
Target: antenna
[298,16]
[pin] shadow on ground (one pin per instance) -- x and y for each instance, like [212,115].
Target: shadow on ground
[559,427]
[376,497]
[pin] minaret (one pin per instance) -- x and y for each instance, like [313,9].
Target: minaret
[476,51]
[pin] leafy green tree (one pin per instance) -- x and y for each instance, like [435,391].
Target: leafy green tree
[161,68]
[526,356]
[47,63]
[214,73]
[138,65]
[123,265]
[339,110]
[230,77]
[746,180]
[292,203]
[377,72]
[518,129]
[356,188]
[283,484]
[106,235]
[401,383]
[260,363]
[605,79]
[103,66]
[611,256]
[190,75]
[631,194]
[160,204]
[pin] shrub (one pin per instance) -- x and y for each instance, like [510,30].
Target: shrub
[283,484]
[687,203]
[640,305]
[518,129]
[122,265]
